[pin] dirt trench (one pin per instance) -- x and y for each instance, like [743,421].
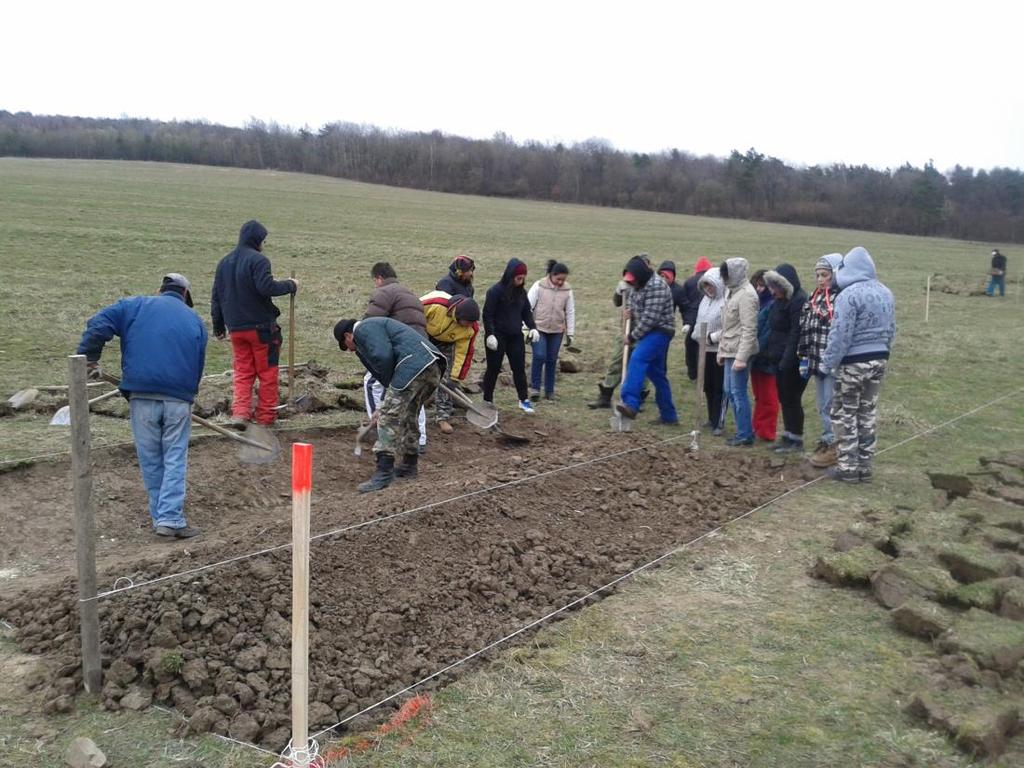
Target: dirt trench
[392,602]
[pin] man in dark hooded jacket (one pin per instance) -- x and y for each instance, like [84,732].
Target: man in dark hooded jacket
[780,351]
[691,298]
[506,311]
[459,280]
[241,306]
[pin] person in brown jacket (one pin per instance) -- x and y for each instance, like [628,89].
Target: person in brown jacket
[392,299]
[738,344]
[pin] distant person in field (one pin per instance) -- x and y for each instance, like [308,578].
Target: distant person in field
[410,368]
[815,322]
[506,311]
[392,299]
[452,326]
[652,326]
[554,311]
[857,353]
[763,370]
[783,337]
[691,301]
[241,306]
[163,350]
[459,280]
[738,344]
[997,275]
[709,314]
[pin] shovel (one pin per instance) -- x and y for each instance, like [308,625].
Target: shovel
[258,446]
[619,422]
[483,417]
[62,417]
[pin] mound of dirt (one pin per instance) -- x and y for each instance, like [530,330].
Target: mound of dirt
[391,602]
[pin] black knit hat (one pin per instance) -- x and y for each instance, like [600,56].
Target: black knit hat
[465,308]
[341,328]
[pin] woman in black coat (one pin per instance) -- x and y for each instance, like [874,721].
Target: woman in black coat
[506,311]
[780,351]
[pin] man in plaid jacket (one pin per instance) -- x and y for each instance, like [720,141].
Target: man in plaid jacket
[815,322]
[652,325]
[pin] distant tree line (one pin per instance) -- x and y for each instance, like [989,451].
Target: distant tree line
[963,203]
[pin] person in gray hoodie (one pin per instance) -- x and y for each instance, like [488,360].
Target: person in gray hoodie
[738,344]
[857,354]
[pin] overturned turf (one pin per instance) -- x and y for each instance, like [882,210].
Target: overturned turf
[391,602]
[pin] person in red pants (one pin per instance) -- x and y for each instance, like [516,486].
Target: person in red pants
[241,306]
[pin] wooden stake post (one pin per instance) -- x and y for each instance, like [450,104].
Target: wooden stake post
[291,345]
[702,351]
[927,297]
[85,540]
[302,486]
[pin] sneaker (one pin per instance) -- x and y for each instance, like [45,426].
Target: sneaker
[717,431]
[789,445]
[445,427]
[526,406]
[185,532]
[825,457]
[737,442]
[843,475]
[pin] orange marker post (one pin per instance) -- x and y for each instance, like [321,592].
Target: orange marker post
[302,487]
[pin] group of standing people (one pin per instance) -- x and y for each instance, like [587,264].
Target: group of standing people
[764,334]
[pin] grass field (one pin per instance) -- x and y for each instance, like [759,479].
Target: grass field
[732,656]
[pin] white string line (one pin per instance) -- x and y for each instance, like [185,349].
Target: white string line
[640,569]
[174,714]
[376,520]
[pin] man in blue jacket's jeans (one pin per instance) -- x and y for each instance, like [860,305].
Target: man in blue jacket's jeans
[163,350]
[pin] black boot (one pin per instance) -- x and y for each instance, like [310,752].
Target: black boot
[382,476]
[408,466]
[604,397]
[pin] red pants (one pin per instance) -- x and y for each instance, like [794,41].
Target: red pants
[256,353]
[766,404]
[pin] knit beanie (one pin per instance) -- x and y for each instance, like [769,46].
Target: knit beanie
[667,266]
[465,308]
[825,262]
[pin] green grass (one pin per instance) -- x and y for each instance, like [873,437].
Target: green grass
[732,656]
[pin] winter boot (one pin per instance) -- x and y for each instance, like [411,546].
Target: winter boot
[824,457]
[407,468]
[604,397]
[382,476]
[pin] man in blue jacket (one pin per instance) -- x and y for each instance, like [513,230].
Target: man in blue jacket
[163,350]
[410,368]
[857,353]
[241,305]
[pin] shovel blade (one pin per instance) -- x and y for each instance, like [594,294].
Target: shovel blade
[268,449]
[620,423]
[62,417]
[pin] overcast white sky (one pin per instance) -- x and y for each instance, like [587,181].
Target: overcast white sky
[881,83]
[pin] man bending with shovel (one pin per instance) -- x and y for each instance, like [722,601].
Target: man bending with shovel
[163,350]
[410,368]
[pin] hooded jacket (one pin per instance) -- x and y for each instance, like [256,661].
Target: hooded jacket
[554,308]
[444,328]
[816,317]
[650,302]
[692,295]
[783,318]
[864,322]
[678,292]
[451,284]
[392,299]
[244,285]
[163,344]
[394,353]
[739,317]
[506,308]
[710,310]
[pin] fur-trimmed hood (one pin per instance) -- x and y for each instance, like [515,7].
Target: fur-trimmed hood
[773,279]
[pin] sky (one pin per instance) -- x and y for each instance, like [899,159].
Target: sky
[876,83]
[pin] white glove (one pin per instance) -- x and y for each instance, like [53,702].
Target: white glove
[622,287]
[534,335]
[714,337]
[686,331]
[492,342]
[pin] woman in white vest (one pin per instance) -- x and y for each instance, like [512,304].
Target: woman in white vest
[554,312]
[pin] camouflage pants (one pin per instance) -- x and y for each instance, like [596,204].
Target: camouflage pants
[613,376]
[443,408]
[854,408]
[398,431]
